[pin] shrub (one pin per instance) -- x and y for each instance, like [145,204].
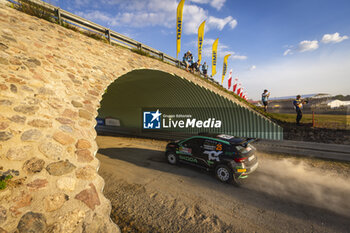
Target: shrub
[4,180]
[34,9]
[141,52]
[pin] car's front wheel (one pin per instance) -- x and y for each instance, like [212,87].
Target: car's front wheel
[223,173]
[172,158]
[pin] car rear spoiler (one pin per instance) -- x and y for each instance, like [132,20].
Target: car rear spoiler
[248,140]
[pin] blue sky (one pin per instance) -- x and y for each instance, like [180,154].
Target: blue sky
[286,46]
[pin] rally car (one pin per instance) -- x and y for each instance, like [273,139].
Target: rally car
[231,158]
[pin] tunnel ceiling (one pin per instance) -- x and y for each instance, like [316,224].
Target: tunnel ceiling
[131,94]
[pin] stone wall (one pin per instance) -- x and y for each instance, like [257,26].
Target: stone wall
[51,83]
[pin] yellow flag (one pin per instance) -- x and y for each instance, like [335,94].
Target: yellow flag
[200,40]
[214,57]
[224,69]
[179,26]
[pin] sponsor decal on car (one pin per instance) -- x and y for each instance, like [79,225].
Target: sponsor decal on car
[185,150]
[213,155]
[190,159]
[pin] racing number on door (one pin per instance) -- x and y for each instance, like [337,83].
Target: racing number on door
[219,147]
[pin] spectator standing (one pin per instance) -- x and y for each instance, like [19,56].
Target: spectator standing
[185,59]
[298,105]
[191,62]
[205,69]
[265,98]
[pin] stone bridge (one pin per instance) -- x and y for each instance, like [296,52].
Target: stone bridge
[51,83]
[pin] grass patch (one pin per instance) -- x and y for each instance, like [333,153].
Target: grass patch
[321,120]
[4,180]
[70,26]
[34,9]
[141,52]
[95,36]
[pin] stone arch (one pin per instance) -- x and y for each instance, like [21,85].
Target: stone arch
[51,83]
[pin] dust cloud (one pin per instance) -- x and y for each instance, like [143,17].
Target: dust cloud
[302,183]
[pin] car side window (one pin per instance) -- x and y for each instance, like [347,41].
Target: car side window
[209,145]
[213,145]
[193,143]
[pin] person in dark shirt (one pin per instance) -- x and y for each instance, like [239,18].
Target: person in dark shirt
[298,105]
[264,99]
[205,69]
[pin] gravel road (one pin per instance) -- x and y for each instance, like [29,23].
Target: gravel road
[285,194]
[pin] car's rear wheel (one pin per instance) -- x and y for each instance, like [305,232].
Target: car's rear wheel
[223,173]
[172,158]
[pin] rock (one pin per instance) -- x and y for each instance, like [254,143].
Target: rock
[15,61]
[85,114]
[4,61]
[66,183]
[32,63]
[38,184]
[4,136]
[26,88]
[45,91]
[64,121]
[83,144]
[70,114]
[30,110]
[3,87]
[60,168]
[13,88]
[5,102]
[4,125]
[31,135]
[92,92]
[86,173]
[55,201]
[63,138]
[15,80]
[77,104]
[84,156]
[20,153]
[89,197]
[51,150]
[33,165]
[18,119]
[68,223]
[66,128]
[32,222]
[24,200]
[40,123]
[3,215]
[3,46]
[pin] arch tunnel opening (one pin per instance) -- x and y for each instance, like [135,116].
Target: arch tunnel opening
[132,97]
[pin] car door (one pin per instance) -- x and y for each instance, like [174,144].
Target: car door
[190,150]
[212,152]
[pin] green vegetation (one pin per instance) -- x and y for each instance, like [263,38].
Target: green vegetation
[4,180]
[94,35]
[70,26]
[342,97]
[34,9]
[141,52]
[321,120]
